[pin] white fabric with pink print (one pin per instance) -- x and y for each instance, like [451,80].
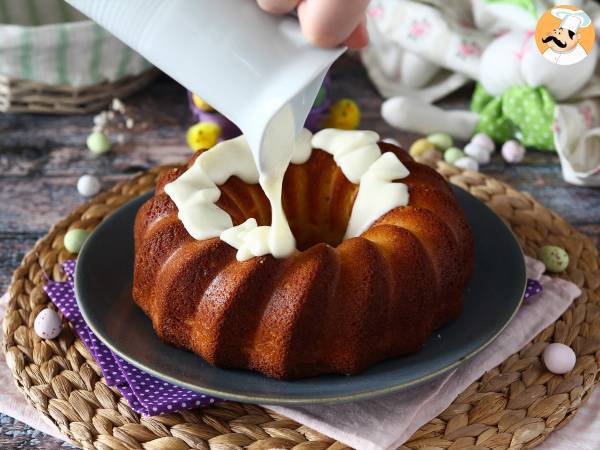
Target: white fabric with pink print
[423,50]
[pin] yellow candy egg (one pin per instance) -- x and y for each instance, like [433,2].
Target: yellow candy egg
[344,114]
[201,103]
[420,147]
[203,135]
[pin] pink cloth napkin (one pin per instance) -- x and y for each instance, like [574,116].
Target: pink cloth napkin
[389,421]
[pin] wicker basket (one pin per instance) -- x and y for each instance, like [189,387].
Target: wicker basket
[54,60]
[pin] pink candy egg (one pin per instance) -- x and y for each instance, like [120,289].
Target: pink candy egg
[513,152]
[559,358]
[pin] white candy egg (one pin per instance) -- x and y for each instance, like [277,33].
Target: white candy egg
[467,163]
[483,140]
[88,185]
[513,152]
[559,358]
[478,153]
[47,324]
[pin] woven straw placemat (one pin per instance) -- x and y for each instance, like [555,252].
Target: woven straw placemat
[516,404]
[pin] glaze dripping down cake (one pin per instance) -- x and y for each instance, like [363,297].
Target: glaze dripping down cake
[369,279]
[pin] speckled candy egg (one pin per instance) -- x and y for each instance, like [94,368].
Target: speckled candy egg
[74,239]
[420,147]
[98,143]
[467,163]
[559,358]
[88,185]
[453,154]
[442,141]
[483,140]
[555,258]
[513,152]
[47,324]
[478,153]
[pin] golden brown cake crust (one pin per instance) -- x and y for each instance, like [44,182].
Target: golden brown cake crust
[336,306]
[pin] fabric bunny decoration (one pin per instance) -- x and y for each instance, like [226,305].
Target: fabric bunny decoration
[519,95]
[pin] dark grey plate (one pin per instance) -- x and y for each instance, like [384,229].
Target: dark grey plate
[103,280]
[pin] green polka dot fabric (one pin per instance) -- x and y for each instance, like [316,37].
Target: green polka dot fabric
[527,5]
[522,113]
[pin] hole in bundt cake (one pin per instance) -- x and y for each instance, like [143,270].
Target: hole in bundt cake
[317,200]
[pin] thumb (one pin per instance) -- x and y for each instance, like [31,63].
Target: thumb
[329,23]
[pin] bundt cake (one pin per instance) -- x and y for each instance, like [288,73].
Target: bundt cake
[343,300]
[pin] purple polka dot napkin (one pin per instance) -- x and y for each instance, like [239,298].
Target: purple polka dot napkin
[145,393]
[534,287]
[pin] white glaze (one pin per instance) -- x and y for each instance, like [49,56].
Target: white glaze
[196,192]
[377,193]
[360,159]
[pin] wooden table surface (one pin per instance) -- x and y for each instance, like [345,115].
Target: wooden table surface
[42,156]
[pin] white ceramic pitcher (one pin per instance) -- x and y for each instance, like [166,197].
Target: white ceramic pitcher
[246,63]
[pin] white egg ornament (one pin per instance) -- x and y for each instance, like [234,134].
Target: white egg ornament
[483,140]
[88,185]
[467,163]
[513,152]
[47,324]
[478,153]
[559,358]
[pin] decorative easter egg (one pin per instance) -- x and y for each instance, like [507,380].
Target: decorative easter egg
[98,143]
[555,258]
[483,140]
[74,239]
[478,153]
[203,135]
[559,358]
[467,163]
[47,324]
[453,154]
[88,185]
[419,147]
[344,114]
[442,141]
[513,152]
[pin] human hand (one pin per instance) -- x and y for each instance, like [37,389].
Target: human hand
[326,23]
